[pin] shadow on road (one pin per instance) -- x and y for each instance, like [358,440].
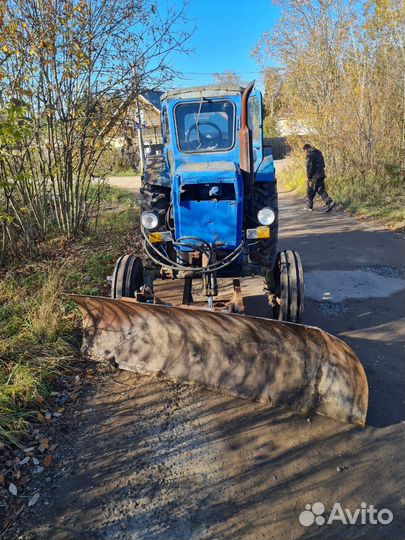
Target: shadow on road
[165,462]
[333,242]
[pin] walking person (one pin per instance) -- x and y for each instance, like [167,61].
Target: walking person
[316,178]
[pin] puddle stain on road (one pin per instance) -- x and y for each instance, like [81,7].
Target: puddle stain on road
[339,285]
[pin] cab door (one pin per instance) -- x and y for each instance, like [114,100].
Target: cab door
[255,119]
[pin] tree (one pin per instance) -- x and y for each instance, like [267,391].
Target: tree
[342,70]
[78,65]
[385,26]
[229,77]
[272,101]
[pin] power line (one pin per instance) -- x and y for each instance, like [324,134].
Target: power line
[219,71]
[222,37]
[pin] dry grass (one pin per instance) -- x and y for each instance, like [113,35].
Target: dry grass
[37,326]
[45,317]
[384,203]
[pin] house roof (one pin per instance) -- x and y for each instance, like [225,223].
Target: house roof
[149,104]
[153,96]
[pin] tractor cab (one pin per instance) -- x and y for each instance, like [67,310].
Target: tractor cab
[210,193]
[201,124]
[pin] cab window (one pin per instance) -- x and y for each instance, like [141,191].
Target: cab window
[205,126]
[165,126]
[254,117]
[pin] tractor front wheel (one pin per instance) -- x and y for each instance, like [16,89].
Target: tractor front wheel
[127,278]
[288,303]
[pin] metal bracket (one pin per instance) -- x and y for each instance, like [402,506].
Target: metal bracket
[236,303]
[187,296]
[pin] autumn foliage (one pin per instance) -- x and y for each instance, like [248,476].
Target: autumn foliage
[69,71]
[341,83]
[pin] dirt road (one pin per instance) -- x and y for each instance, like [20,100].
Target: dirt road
[145,459]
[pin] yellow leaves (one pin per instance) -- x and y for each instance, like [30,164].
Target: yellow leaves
[42,447]
[357,90]
[48,460]
[384,15]
[29,92]
[67,73]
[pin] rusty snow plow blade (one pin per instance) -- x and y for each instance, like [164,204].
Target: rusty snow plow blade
[265,360]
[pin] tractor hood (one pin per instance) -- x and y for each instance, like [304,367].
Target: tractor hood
[207,202]
[216,169]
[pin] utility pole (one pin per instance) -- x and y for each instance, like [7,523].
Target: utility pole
[138,120]
[138,125]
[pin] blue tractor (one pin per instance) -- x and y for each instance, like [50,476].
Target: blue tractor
[209,213]
[209,202]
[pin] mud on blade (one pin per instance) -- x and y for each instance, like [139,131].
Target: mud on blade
[302,367]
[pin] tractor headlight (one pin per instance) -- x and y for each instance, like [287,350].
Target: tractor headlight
[266,216]
[149,220]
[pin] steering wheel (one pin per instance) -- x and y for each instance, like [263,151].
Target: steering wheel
[201,139]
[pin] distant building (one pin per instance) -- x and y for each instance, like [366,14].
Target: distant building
[288,126]
[144,113]
[149,109]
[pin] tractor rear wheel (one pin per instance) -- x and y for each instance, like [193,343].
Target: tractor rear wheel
[289,287]
[153,196]
[127,278]
[265,195]
[155,199]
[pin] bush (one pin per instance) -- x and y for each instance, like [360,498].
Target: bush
[38,326]
[368,195]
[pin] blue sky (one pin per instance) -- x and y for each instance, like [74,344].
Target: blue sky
[226,32]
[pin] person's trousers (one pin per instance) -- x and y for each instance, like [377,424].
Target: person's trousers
[317,186]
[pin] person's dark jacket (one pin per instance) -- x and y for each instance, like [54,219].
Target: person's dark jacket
[315,164]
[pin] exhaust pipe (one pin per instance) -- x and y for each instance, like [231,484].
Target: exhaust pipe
[245,141]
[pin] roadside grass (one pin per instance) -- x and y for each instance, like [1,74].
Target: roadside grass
[125,172]
[368,199]
[38,327]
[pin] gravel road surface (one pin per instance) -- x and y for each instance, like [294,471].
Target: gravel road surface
[143,458]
